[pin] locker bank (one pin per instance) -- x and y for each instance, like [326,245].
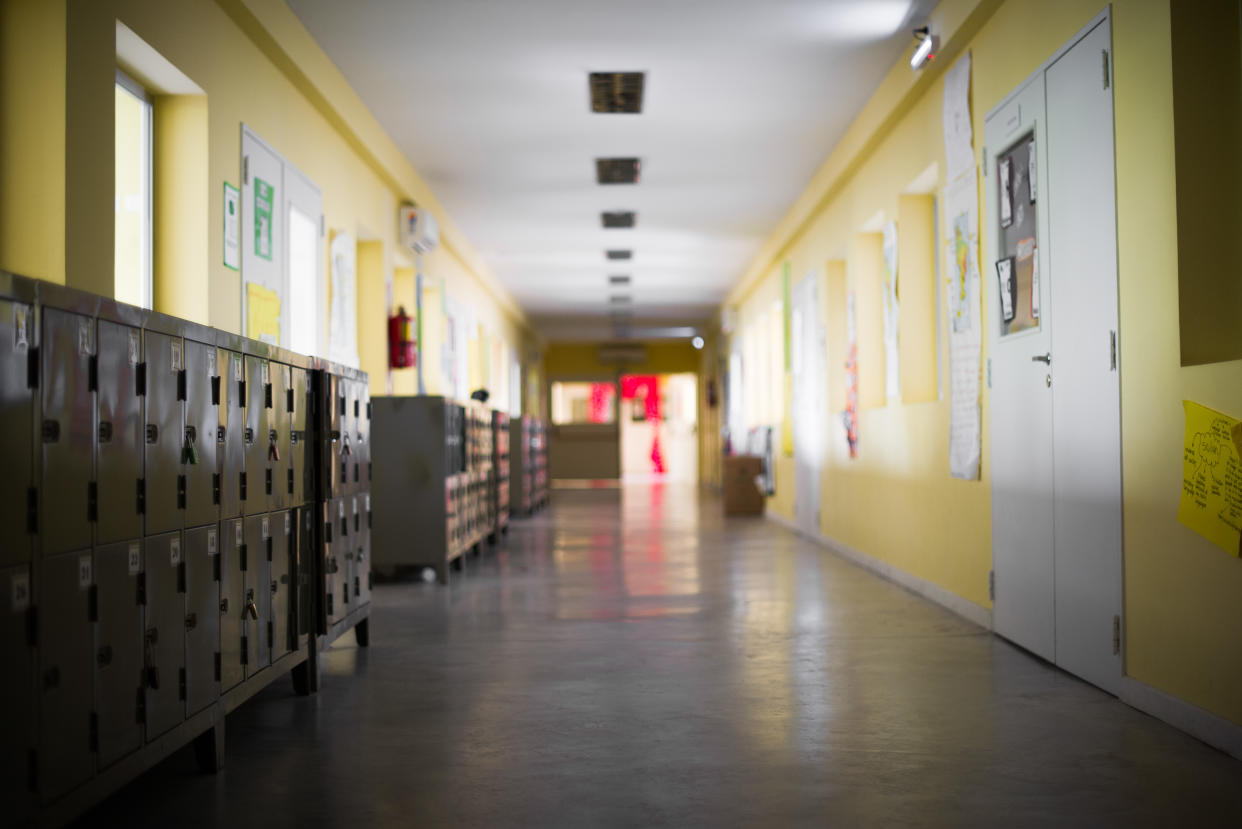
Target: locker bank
[459,322]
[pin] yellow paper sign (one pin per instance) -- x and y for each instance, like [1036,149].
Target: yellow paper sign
[1211,502]
[262,314]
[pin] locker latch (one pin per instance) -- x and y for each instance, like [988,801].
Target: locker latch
[51,431]
[252,609]
[105,431]
[152,670]
[153,433]
[189,454]
[273,451]
[191,621]
[249,436]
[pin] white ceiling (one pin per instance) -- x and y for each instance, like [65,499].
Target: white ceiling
[489,100]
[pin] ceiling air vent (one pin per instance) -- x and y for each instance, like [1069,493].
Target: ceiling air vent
[617,218]
[620,254]
[618,280]
[616,91]
[616,170]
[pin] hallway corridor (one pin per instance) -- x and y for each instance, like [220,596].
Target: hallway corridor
[632,659]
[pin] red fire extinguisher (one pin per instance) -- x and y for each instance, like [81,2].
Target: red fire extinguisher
[401,340]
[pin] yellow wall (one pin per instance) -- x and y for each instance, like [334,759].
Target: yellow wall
[581,360]
[182,188]
[896,501]
[258,66]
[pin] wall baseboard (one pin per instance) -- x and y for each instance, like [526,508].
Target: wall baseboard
[1212,729]
[947,599]
[1200,723]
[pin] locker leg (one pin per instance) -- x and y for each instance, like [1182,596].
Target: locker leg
[442,574]
[362,633]
[209,748]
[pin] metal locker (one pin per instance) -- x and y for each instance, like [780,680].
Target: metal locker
[16,697]
[165,432]
[362,554]
[257,406]
[199,461]
[232,602]
[164,634]
[67,506]
[281,626]
[331,468]
[302,560]
[301,460]
[279,452]
[119,673]
[17,492]
[364,438]
[258,593]
[350,418]
[231,431]
[118,468]
[202,617]
[335,569]
[65,675]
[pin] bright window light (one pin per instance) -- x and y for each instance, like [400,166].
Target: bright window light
[132,250]
[303,283]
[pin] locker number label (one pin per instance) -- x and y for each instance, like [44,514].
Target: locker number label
[21,335]
[84,572]
[237,368]
[265,373]
[135,348]
[266,529]
[340,509]
[174,551]
[288,523]
[135,559]
[211,362]
[174,355]
[20,590]
[211,542]
[84,338]
[368,500]
[237,534]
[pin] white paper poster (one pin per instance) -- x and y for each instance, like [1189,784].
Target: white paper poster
[232,227]
[961,227]
[342,308]
[892,379]
[959,156]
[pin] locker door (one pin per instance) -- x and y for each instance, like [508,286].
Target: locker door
[333,466]
[300,445]
[65,677]
[119,467]
[303,558]
[202,618]
[200,462]
[232,602]
[362,552]
[335,543]
[16,431]
[280,453]
[258,593]
[118,651]
[281,592]
[353,428]
[165,432]
[16,697]
[230,436]
[364,436]
[68,431]
[258,396]
[164,642]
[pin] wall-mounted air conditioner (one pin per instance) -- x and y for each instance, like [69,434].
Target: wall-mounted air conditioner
[418,229]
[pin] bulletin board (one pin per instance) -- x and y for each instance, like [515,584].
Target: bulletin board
[1015,275]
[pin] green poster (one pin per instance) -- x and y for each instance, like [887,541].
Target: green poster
[264,193]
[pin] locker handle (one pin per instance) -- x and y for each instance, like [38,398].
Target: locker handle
[249,435]
[224,605]
[51,431]
[275,588]
[252,609]
[191,621]
[153,433]
[105,656]
[105,431]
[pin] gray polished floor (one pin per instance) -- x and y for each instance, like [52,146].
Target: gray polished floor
[631,659]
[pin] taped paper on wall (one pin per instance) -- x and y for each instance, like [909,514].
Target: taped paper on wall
[1211,502]
[262,314]
[892,377]
[958,153]
[965,333]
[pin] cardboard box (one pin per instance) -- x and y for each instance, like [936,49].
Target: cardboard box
[741,496]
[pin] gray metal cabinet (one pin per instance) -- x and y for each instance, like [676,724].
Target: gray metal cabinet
[301,461]
[280,454]
[256,571]
[256,414]
[17,493]
[165,495]
[120,444]
[67,506]
[16,699]
[280,625]
[119,673]
[164,640]
[202,617]
[232,602]
[65,678]
[231,432]
[200,463]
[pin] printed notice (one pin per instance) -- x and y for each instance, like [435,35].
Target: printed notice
[892,316]
[1211,503]
[965,333]
[264,196]
[958,152]
[232,227]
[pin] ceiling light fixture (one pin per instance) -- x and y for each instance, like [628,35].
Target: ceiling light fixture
[697,342]
[617,218]
[926,51]
[618,280]
[619,254]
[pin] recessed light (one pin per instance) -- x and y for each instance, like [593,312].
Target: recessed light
[616,170]
[618,280]
[697,342]
[617,91]
[619,254]
[617,218]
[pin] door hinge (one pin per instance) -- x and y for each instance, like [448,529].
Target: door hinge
[992,585]
[1104,62]
[1112,350]
[92,603]
[32,626]
[32,368]
[32,510]
[218,666]
[1116,635]
[142,588]
[94,732]
[245,169]
[985,162]
[181,685]
[140,380]
[140,709]
[245,651]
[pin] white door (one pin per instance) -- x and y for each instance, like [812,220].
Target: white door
[810,403]
[262,234]
[1021,399]
[1055,412]
[1086,417]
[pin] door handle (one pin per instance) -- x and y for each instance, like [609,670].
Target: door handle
[1046,359]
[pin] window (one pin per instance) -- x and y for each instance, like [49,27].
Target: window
[584,403]
[132,252]
[303,282]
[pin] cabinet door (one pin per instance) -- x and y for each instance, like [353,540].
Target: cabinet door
[202,618]
[258,397]
[119,676]
[280,626]
[16,431]
[280,453]
[119,465]
[66,676]
[200,461]
[300,460]
[164,644]
[66,508]
[258,593]
[165,359]
[232,603]
[231,432]
[16,693]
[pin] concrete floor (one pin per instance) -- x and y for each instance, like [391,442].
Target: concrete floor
[634,660]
